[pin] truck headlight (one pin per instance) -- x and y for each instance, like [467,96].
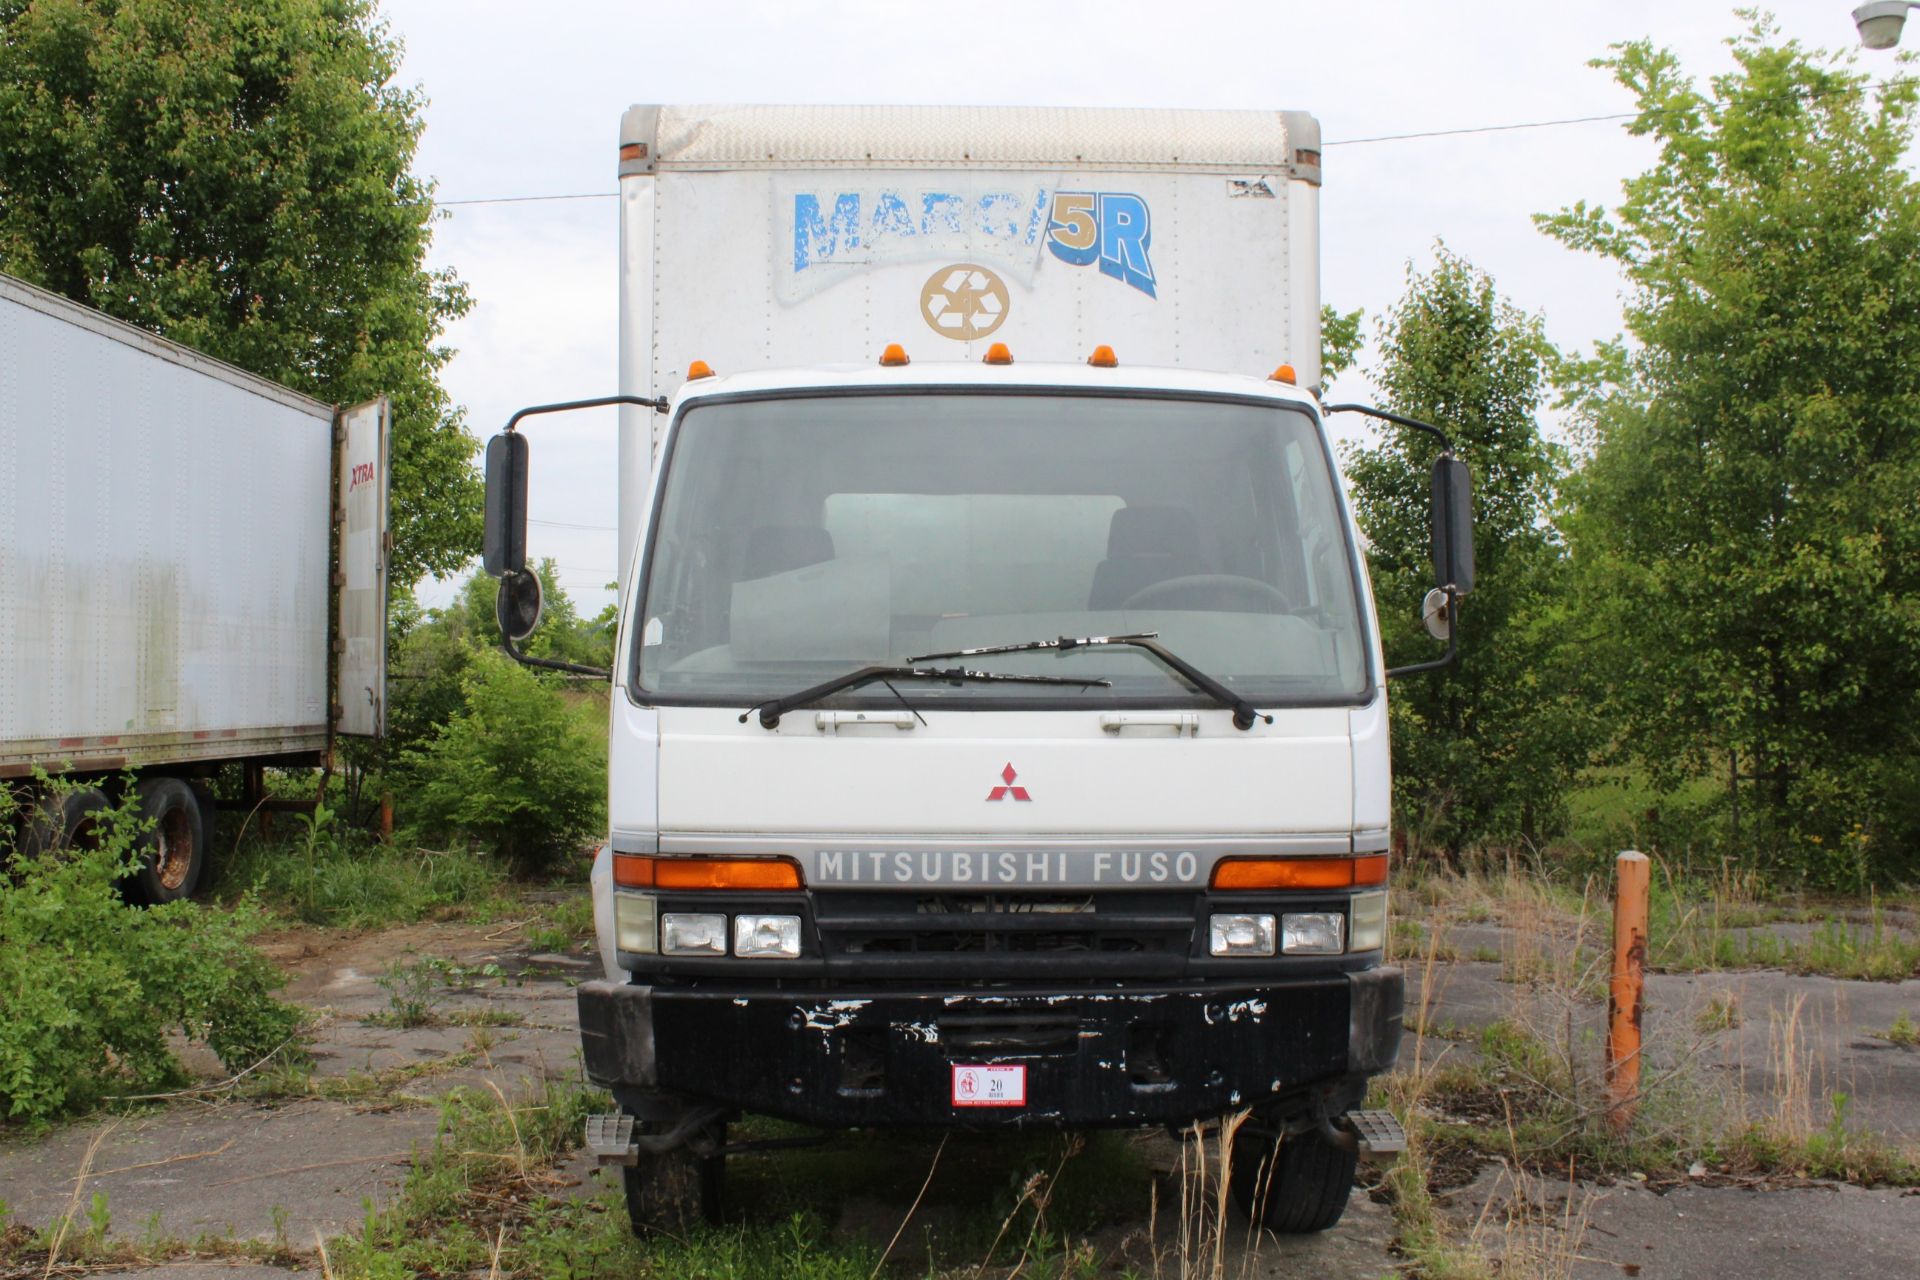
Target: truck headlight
[1312,933]
[767,937]
[633,923]
[687,933]
[1369,931]
[1241,934]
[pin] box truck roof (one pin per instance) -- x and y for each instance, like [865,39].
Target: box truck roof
[1014,377]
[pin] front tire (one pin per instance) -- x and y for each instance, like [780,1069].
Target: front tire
[1294,1185]
[173,852]
[671,1193]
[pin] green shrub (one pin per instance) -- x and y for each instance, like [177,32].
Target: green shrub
[518,770]
[92,987]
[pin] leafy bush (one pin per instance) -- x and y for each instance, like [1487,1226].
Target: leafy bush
[519,769]
[92,987]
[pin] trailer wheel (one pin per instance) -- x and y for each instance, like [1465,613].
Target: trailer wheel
[670,1194]
[174,852]
[1294,1185]
[64,821]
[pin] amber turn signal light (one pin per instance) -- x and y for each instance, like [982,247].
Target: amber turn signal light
[639,871]
[1300,873]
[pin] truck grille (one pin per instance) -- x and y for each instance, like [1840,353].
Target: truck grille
[1131,934]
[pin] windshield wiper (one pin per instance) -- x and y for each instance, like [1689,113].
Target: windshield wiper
[1244,713]
[772,709]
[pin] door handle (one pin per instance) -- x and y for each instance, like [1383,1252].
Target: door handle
[834,721]
[1183,723]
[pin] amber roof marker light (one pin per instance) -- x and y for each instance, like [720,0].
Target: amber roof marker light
[998,354]
[1284,374]
[1103,358]
[894,356]
[699,369]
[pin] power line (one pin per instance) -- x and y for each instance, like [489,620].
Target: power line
[563,524]
[1485,128]
[1337,142]
[578,195]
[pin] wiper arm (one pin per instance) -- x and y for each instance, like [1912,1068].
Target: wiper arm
[1244,712]
[772,709]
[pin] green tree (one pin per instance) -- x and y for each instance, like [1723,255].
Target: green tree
[1340,341]
[237,177]
[519,769]
[1746,528]
[1485,749]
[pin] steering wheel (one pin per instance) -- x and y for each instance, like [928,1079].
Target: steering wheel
[1201,586]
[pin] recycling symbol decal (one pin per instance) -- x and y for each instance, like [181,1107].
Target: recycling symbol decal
[964,301]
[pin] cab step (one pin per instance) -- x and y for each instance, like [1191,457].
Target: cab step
[610,1138]
[1379,1133]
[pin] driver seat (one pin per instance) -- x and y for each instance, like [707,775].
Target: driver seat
[1145,545]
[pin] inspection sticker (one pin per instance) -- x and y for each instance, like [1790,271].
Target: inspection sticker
[989,1086]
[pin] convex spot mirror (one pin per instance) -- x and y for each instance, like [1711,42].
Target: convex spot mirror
[1452,525]
[517,605]
[504,548]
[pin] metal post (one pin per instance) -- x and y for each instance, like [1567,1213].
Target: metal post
[386,817]
[1627,999]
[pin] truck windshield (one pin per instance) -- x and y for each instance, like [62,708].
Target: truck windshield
[802,537]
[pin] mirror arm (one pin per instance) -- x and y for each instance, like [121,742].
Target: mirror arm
[550,664]
[1446,445]
[1453,643]
[659,405]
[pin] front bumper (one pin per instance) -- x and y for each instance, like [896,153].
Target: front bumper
[1119,1057]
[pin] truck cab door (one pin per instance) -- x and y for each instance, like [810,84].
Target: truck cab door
[362,546]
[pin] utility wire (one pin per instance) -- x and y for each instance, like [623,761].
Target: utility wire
[1337,142]
[564,524]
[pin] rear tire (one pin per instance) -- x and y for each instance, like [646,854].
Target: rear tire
[1296,1185]
[673,1193]
[173,853]
[64,821]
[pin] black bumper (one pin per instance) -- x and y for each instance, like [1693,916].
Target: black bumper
[1119,1057]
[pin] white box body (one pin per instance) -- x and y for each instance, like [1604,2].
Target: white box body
[164,557]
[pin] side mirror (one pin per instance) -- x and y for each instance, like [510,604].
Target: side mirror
[518,604]
[504,549]
[1452,524]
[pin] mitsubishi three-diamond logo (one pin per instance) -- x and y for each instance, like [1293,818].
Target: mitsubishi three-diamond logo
[1009,791]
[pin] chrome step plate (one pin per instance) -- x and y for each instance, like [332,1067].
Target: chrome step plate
[1379,1133]
[610,1138]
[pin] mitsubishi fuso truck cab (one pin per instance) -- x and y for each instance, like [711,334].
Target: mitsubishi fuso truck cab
[999,729]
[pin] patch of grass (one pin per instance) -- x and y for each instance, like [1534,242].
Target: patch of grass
[1690,935]
[1720,1013]
[1903,1032]
[347,880]
[568,926]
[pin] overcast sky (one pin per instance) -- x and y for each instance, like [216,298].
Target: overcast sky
[526,99]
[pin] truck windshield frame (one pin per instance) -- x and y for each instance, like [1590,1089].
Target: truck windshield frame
[1343,593]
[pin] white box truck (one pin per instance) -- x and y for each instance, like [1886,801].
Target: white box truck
[999,727]
[192,572]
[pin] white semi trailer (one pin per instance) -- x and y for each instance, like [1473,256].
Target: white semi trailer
[999,723]
[192,572]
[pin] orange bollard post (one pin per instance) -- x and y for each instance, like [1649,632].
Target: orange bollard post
[1627,997]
